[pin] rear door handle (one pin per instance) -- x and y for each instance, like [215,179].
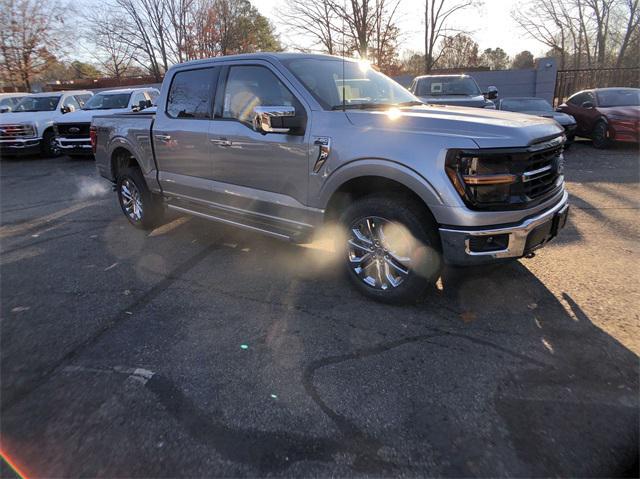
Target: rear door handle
[221,141]
[164,138]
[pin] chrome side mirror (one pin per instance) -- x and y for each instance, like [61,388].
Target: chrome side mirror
[269,119]
[5,109]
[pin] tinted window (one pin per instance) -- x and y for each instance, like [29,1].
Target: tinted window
[191,93]
[580,98]
[251,86]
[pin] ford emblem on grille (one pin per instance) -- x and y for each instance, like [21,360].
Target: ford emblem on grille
[74,129]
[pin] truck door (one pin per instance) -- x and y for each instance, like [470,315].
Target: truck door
[181,133]
[269,172]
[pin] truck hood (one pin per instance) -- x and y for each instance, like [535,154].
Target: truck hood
[42,119]
[85,116]
[477,101]
[487,128]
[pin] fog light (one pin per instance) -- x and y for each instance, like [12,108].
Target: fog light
[488,243]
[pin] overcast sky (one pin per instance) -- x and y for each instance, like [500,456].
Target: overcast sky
[491,26]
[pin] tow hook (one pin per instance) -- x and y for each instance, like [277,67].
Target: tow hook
[530,255]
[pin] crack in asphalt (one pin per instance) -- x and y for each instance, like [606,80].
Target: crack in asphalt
[122,315]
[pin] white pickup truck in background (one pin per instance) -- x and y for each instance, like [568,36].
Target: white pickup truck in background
[72,130]
[28,129]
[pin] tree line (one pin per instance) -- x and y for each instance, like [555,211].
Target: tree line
[145,37]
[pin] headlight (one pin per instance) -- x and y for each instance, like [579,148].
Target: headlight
[481,180]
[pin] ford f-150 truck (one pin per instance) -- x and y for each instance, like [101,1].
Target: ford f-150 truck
[283,143]
[72,130]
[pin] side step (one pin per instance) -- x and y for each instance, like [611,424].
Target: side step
[259,225]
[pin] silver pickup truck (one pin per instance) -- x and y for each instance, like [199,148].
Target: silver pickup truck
[283,143]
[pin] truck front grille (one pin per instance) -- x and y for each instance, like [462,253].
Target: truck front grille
[73,130]
[508,178]
[11,132]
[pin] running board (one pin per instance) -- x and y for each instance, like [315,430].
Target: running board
[242,222]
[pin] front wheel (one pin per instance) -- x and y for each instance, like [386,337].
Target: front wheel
[50,146]
[600,136]
[141,207]
[391,248]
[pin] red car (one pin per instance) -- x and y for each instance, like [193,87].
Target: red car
[606,114]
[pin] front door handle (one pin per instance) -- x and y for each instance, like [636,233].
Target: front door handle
[163,138]
[221,141]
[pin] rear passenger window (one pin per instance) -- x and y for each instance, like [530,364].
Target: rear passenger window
[191,93]
[251,86]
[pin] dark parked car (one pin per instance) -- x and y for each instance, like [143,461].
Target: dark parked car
[606,114]
[540,107]
[456,90]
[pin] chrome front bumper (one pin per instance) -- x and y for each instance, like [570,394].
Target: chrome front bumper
[20,146]
[80,145]
[457,243]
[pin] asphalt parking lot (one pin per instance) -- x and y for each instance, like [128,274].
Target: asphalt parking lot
[199,350]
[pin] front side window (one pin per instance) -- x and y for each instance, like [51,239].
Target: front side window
[71,103]
[38,103]
[252,86]
[137,98]
[82,99]
[191,93]
[337,84]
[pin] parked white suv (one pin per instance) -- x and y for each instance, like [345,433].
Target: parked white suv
[72,130]
[29,127]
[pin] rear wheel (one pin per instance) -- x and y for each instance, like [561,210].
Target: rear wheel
[391,248]
[600,135]
[142,208]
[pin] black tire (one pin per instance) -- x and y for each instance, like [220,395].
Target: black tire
[600,136]
[418,237]
[50,147]
[142,208]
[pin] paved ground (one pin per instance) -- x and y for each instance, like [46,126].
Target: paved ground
[122,350]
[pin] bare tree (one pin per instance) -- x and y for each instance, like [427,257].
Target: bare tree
[315,18]
[458,51]
[437,15]
[595,32]
[106,47]
[30,32]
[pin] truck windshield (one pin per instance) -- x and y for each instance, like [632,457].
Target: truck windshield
[38,103]
[447,86]
[362,86]
[525,104]
[108,101]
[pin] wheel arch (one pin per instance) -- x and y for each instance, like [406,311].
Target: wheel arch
[373,176]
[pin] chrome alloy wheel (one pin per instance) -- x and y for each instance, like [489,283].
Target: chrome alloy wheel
[377,252]
[131,199]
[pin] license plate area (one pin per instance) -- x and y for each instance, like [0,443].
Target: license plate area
[545,232]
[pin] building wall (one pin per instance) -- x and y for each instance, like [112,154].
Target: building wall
[539,82]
